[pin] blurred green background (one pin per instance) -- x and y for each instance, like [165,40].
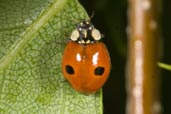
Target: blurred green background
[111,19]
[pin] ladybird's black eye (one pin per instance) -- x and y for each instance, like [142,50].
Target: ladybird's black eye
[69,69]
[99,71]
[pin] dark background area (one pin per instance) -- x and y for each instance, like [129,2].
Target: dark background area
[111,19]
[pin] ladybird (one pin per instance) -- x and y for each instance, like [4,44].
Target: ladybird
[86,61]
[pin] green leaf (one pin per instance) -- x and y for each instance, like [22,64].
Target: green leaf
[164,66]
[33,34]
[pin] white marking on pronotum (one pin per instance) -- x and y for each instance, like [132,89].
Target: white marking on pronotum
[96,34]
[88,41]
[75,34]
[84,33]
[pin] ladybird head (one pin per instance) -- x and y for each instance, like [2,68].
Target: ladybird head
[85,33]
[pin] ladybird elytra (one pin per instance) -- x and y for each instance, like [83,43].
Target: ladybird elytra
[86,61]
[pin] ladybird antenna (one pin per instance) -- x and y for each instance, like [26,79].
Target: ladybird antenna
[92,15]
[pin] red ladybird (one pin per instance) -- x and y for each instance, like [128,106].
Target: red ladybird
[86,61]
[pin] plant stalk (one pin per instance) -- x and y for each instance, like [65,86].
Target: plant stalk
[143,81]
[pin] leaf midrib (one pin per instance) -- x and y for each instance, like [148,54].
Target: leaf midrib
[52,10]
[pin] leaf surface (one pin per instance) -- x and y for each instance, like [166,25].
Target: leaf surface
[33,34]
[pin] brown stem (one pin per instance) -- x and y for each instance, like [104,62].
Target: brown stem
[142,71]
